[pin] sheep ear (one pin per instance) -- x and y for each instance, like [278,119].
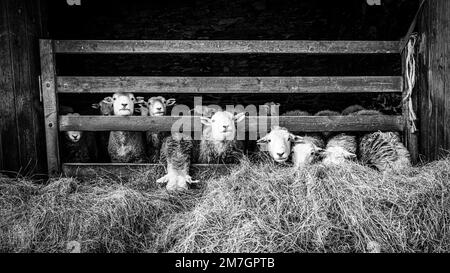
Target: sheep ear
[205,120]
[108,99]
[297,139]
[95,105]
[239,117]
[170,102]
[263,140]
[349,155]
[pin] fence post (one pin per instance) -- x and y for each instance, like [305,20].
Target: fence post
[48,76]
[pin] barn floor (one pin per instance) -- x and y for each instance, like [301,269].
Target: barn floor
[346,209]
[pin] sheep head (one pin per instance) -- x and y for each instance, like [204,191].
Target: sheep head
[336,155]
[73,136]
[105,106]
[157,106]
[305,151]
[123,104]
[222,125]
[278,143]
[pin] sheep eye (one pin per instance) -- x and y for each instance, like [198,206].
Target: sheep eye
[269,140]
[114,98]
[213,120]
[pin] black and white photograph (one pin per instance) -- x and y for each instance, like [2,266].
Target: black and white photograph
[225,127]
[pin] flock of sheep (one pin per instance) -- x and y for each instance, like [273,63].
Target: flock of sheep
[218,143]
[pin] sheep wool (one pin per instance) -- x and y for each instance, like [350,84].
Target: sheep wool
[126,147]
[384,151]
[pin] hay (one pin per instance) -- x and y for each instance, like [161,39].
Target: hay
[257,207]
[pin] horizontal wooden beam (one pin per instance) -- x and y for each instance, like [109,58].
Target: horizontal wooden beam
[202,85]
[226,46]
[296,124]
[124,169]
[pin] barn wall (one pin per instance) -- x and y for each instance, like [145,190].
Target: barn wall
[22,136]
[434,79]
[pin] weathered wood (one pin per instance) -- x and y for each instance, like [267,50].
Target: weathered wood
[125,170]
[21,124]
[229,84]
[434,79]
[302,124]
[226,46]
[50,105]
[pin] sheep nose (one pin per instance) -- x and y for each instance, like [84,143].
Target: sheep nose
[124,105]
[159,108]
[225,126]
[75,137]
[280,154]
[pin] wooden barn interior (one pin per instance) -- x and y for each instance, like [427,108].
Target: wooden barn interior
[23,122]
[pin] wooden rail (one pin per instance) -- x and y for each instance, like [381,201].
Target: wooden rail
[226,46]
[200,85]
[301,124]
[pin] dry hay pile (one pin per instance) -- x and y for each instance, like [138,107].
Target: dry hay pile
[350,208]
[257,207]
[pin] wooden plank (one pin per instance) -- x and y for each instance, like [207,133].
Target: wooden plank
[301,124]
[50,105]
[226,46]
[125,170]
[8,123]
[229,84]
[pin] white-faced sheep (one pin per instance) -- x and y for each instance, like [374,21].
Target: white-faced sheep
[277,143]
[78,146]
[383,150]
[218,143]
[154,107]
[306,150]
[339,149]
[125,146]
[105,108]
[176,154]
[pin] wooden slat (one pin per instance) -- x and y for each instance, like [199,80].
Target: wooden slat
[50,105]
[124,169]
[226,46]
[301,124]
[229,84]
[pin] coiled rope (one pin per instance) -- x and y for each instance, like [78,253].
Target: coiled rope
[410,80]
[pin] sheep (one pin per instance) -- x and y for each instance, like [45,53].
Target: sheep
[327,113]
[306,150]
[383,150]
[218,143]
[105,107]
[125,146]
[339,149]
[176,154]
[277,143]
[154,107]
[352,109]
[78,146]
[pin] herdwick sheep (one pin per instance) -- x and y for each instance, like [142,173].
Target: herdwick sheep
[339,148]
[176,154]
[306,150]
[105,107]
[78,146]
[383,150]
[352,109]
[154,107]
[125,146]
[277,143]
[218,143]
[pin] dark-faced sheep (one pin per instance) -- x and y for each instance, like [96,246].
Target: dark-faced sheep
[78,146]
[176,155]
[218,143]
[125,146]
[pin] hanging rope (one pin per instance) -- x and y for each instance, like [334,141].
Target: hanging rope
[410,80]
